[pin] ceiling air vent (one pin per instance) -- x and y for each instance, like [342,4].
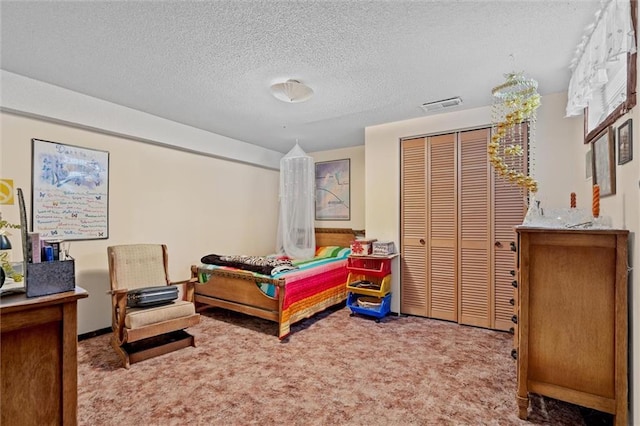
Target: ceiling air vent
[440,105]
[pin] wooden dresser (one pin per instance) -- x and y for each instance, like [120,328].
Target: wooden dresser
[571,318]
[38,357]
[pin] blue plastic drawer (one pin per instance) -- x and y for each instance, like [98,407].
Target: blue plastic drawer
[377,312]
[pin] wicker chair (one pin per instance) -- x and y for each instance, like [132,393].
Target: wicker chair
[142,333]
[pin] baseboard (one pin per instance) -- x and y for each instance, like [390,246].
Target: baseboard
[85,336]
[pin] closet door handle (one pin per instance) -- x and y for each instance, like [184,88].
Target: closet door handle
[422,241]
[514,353]
[498,244]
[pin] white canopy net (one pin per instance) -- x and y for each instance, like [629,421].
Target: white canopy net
[296,235]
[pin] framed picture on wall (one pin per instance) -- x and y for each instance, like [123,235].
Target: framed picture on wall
[333,190]
[604,169]
[69,191]
[625,143]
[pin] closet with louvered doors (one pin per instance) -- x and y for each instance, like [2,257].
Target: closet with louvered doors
[452,263]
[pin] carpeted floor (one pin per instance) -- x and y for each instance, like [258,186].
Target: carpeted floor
[333,370]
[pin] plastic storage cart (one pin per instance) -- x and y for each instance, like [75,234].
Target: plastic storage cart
[369,285]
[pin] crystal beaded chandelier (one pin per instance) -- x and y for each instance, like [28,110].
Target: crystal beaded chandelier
[514,103]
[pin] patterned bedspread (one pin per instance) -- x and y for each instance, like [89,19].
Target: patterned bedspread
[267,265]
[302,268]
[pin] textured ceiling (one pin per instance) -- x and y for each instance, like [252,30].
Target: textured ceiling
[210,64]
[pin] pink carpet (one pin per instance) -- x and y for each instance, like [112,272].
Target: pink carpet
[333,370]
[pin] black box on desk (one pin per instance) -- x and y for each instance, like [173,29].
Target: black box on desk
[50,277]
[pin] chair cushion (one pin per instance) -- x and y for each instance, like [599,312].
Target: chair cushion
[141,317]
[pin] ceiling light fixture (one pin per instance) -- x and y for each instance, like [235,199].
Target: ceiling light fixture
[440,105]
[292,91]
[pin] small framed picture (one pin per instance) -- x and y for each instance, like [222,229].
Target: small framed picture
[604,170]
[625,143]
[588,165]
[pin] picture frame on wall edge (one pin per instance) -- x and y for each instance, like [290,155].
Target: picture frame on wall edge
[588,164]
[625,143]
[603,156]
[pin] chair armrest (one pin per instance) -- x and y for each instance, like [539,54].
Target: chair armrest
[118,291]
[189,288]
[119,306]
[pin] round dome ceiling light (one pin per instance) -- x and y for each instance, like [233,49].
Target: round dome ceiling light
[292,91]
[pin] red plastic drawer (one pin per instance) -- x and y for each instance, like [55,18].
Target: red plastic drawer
[369,266]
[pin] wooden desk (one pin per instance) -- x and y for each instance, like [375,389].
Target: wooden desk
[38,357]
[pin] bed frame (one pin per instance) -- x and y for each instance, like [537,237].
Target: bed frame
[237,290]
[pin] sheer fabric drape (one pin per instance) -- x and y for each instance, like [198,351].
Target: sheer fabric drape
[296,234]
[606,41]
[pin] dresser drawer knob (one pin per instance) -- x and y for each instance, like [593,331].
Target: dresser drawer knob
[514,283]
[514,319]
[512,244]
[512,272]
[512,330]
[512,302]
[514,353]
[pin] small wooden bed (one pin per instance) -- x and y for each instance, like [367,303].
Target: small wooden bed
[298,294]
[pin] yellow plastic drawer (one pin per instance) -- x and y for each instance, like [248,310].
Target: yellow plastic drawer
[369,285]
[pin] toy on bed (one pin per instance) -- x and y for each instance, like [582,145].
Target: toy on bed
[286,291]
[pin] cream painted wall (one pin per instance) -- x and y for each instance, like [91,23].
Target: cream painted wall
[356,155]
[35,98]
[193,203]
[559,168]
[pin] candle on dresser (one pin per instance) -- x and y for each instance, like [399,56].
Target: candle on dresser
[596,201]
[573,200]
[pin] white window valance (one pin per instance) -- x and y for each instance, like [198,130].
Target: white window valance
[602,49]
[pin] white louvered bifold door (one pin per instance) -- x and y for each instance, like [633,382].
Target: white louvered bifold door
[509,206]
[414,294]
[474,246]
[441,227]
